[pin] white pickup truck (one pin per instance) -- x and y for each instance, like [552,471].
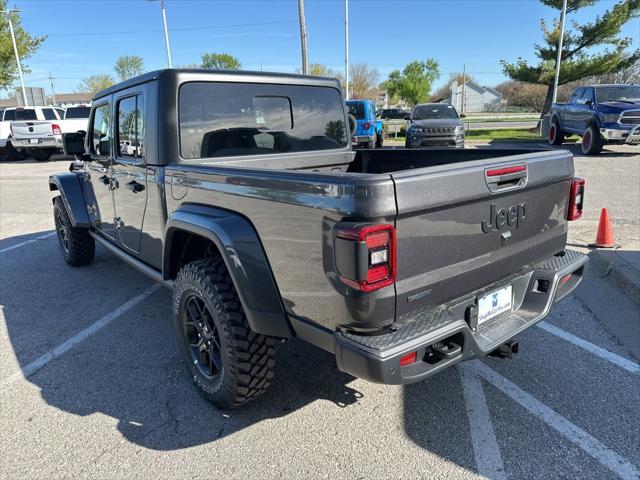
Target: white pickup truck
[37,131]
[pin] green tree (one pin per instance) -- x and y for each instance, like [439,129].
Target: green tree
[128,66]
[577,62]
[94,83]
[320,70]
[27,46]
[413,84]
[220,61]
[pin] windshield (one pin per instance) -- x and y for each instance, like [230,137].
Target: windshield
[356,109]
[427,112]
[623,92]
[77,112]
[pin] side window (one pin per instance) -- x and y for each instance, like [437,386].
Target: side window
[588,94]
[130,133]
[60,113]
[9,115]
[577,95]
[101,131]
[49,114]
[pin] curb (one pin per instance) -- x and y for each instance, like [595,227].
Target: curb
[622,273]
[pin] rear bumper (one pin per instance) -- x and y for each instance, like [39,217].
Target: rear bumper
[361,138]
[43,142]
[377,358]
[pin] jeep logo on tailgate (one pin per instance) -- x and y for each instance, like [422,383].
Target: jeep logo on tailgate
[498,219]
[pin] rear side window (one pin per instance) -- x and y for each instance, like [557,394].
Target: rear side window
[26,114]
[130,132]
[231,119]
[356,109]
[49,114]
[77,112]
[101,131]
[9,115]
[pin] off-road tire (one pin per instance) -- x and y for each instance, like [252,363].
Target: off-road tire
[248,359]
[77,246]
[556,135]
[379,140]
[13,155]
[592,142]
[40,154]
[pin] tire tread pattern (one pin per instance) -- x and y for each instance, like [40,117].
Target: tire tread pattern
[82,246]
[250,356]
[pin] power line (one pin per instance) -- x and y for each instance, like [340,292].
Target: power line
[178,29]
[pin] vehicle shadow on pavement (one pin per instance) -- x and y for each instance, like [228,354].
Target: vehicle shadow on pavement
[131,371]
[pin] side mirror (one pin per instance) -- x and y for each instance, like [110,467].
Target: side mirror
[73,144]
[462,115]
[589,103]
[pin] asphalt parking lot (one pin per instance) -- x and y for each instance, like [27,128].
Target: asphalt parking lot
[91,385]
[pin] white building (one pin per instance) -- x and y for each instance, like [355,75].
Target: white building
[476,98]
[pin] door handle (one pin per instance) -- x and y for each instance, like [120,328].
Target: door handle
[134,186]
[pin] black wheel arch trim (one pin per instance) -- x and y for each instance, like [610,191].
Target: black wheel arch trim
[70,188]
[245,258]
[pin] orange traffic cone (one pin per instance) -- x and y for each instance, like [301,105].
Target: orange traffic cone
[604,237]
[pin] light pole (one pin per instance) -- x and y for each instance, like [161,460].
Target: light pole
[346,48]
[563,17]
[15,50]
[303,38]
[166,32]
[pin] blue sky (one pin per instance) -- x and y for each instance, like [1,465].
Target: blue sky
[264,34]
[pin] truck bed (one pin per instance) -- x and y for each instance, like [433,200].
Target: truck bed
[436,199]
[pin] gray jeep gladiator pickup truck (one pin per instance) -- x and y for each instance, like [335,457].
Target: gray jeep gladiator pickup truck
[240,192]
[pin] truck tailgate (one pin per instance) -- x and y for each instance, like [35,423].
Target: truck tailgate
[464,226]
[30,129]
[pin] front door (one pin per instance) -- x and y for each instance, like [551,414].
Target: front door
[129,172]
[100,149]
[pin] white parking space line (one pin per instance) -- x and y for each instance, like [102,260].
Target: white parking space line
[483,436]
[22,244]
[575,434]
[81,336]
[590,347]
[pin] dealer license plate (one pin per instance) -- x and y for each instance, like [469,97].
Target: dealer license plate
[493,304]
[31,141]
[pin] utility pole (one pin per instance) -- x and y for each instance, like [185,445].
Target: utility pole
[166,31]
[53,91]
[15,50]
[464,85]
[303,38]
[563,17]
[346,48]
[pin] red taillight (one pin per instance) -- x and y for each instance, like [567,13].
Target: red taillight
[408,359]
[367,125]
[373,262]
[576,199]
[55,128]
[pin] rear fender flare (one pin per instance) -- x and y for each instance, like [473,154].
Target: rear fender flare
[70,187]
[241,249]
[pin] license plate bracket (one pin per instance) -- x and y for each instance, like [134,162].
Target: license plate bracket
[495,303]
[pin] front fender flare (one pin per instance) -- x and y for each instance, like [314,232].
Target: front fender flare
[241,249]
[70,188]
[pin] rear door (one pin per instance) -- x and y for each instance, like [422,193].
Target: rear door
[101,152]
[571,111]
[464,226]
[129,168]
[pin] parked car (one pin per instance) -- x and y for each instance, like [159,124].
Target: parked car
[43,138]
[368,131]
[600,114]
[435,125]
[249,203]
[394,114]
[17,139]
